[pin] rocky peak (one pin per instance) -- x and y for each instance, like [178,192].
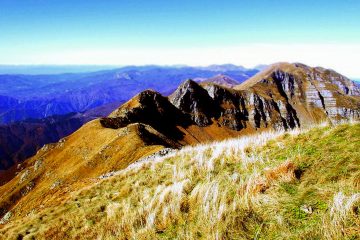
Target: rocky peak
[194,100]
[245,108]
[148,107]
[145,99]
[324,91]
[287,84]
[283,96]
[232,104]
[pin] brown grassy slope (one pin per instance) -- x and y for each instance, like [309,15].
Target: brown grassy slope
[63,167]
[60,169]
[298,185]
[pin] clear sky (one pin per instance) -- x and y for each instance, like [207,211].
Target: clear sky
[246,32]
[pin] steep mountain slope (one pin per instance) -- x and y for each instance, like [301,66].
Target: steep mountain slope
[282,97]
[170,119]
[302,184]
[21,140]
[317,87]
[59,169]
[193,114]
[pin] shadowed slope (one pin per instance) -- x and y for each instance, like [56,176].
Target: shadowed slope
[60,168]
[148,107]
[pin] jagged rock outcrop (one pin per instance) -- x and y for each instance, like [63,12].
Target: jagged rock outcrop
[151,108]
[284,96]
[315,93]
[194,100]
[240,109]
[232,106]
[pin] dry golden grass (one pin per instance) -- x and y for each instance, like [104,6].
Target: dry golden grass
[70,164]
[297,185]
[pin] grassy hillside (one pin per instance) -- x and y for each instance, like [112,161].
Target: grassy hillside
[303,184]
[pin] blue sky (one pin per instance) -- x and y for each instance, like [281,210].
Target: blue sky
[168,32]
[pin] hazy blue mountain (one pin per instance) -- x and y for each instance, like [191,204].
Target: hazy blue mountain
[38,96]
[36,109]
[52,69]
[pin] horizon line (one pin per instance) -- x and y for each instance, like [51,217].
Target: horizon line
[115,66]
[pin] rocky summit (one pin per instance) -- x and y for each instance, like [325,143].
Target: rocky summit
[282,97]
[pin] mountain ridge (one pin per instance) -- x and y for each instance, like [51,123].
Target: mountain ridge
[21,140]
[37,96]
[150,122]
[274,96]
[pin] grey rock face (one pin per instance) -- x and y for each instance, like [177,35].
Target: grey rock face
[238,109]
[231,107]
[192,99]
[313,97]
[287,84]
[320,88]
[148,107]
[285,98]
[332,89]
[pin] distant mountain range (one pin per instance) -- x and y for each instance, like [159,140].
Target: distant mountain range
[61,69]
[282,97]
[39,96]
[52,69]
[41,109]
[50,107]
